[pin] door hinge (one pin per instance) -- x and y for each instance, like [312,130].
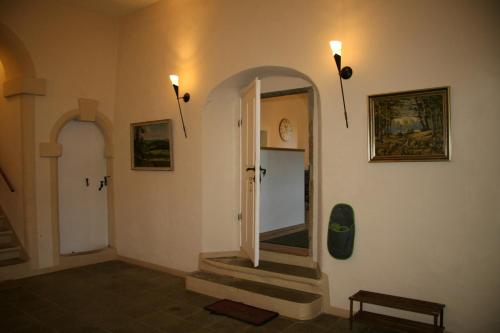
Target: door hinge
[240,122]
[240,216]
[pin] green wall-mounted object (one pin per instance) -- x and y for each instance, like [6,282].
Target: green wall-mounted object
[341,231]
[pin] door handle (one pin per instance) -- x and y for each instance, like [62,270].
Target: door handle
[264,171]
[251,168]
[101,185]
[87,182]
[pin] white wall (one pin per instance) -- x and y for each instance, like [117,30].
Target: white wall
[391,46]
[424,230]
[76,52]
[282,202]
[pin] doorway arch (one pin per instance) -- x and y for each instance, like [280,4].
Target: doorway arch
[22,85]
[220,156]
[87,112]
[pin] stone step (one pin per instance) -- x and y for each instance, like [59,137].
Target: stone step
[4,226]
[288,302]
[278,274]
[287,258]
[10,251]
[6,237]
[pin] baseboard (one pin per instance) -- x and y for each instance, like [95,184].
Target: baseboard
[339,312]
[65,262]
[216,254]
[152,266]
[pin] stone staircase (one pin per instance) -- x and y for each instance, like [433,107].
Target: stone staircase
[295,289]
[11,251]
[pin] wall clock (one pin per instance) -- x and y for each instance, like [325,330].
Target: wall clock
[285,129]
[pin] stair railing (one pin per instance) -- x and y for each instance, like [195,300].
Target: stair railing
[6,180]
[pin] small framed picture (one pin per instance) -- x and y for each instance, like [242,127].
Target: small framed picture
[151,145]
[409,126]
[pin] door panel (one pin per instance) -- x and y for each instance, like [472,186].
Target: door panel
[83,217]
[250,185]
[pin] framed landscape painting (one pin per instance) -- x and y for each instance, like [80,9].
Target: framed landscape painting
[151,145]
[409,126]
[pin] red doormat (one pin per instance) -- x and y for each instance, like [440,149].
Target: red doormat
[248,314]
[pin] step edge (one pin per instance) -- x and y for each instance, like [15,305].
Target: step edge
[247,270]
[297,285]
[319,296]
[314,308]
[10,249]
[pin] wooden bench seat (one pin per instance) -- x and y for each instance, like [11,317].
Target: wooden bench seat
[396,302]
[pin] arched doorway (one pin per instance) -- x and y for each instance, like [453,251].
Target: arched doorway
[83,182]
[221,154]
[86,112]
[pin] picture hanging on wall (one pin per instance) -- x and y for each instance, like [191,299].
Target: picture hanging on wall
[151,145]
[409,126]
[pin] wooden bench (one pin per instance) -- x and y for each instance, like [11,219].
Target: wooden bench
[395,302]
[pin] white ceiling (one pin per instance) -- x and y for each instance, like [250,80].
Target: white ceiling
[112,7]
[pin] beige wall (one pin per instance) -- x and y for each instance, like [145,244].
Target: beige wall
[295,108]
[424,230]
[417,233]
[75,51]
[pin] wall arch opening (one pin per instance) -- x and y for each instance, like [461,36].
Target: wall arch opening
[220,154]
[19,88]
[87,112]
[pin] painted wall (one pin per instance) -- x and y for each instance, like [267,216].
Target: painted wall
[282,202]
[418,233]
[76,52]
[295,109]
[11,160]
[424,230]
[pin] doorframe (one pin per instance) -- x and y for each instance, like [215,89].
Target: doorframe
[87,111]
[312,223]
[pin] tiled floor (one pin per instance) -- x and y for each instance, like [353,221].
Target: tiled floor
[118,297]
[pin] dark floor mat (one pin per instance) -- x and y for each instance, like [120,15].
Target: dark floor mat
[240,311]
[297,239]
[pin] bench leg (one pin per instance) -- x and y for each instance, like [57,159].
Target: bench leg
[435,321]
[441,319]
[350,315]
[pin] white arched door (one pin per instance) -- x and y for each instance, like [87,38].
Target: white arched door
[83,216]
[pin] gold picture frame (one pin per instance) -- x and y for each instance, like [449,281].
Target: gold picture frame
[409,126]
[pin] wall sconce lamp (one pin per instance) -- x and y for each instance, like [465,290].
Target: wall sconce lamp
[344,72]
[175,82]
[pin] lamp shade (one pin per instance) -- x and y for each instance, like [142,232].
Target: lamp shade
[174,79]
[336,47]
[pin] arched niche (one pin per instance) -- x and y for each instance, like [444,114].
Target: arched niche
[88,112]
[220,154]
[22,84]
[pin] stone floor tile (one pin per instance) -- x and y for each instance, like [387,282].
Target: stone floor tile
[303,327]
[16,323]
[179,309]
[229,325]
[168,323]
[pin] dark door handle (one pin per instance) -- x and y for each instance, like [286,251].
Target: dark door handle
[87,182]
[251,168]
[101,185]
[264,171]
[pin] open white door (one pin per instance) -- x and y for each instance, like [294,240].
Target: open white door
[250,163]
